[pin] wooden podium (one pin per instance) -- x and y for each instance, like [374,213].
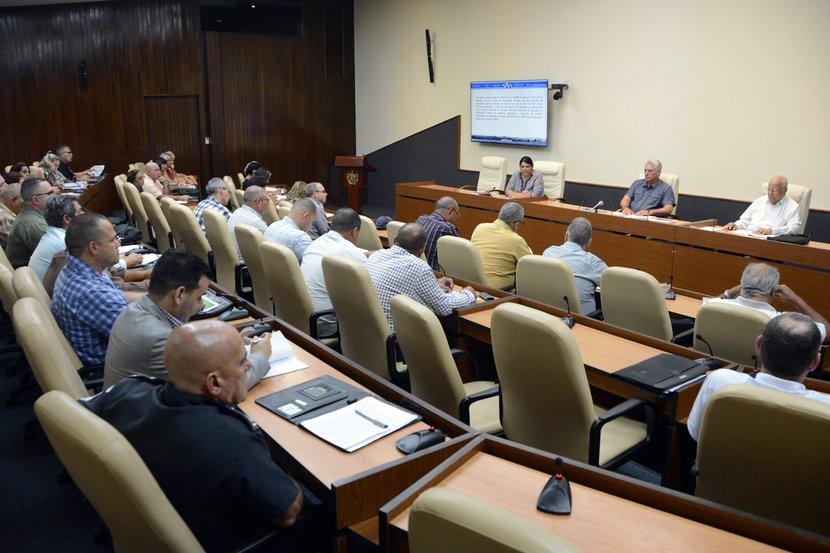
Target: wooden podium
[353,178]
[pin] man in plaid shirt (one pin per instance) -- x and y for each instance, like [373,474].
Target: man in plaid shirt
[85,302]
[400,270]
[217,200]
[440,222]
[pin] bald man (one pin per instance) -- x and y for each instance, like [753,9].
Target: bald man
[773,214]
[152,184]
[208,457]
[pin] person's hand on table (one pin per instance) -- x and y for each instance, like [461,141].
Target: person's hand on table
[134,260]
[627,211]
[730,226]
[262,345]
[472,291]
[762,231]
[445,283]
[642,213]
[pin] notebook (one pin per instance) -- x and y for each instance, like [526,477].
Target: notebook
[663,372]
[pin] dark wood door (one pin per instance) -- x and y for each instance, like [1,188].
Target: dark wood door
[173,124]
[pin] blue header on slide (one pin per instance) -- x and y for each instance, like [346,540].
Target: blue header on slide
[509,84]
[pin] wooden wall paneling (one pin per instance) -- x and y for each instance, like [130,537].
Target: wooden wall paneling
[173,124]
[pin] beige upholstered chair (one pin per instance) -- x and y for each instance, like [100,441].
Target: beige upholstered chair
[392,230]
[730,330]
[232,189]
[801,195]
[492,174]
[283,210]
[138,166]
[165,204]
[7,294]
[546,400]
[271,215]
[55,367]
[547,280]
[110,473]
[4,260]
[237,198]
[122,195]
[553,174]
[446,520]
[671,180]
[241,178]
[368,238]
[183,220]
[228,266]
[158,222]
[139,215]
[634,300]
[460,259]
[250,240]
[365,337]
[765,451]
[433,375]
[28,285]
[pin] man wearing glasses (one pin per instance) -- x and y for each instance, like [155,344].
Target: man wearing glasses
[317,193]
[441,222]
[65,155]
[29,226]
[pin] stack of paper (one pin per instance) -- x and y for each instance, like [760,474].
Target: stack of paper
[282,358]
[149,258]
[96,170]
[80,185]
[359,424]
[127,249]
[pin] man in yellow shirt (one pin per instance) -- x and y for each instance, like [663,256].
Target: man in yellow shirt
[500,246]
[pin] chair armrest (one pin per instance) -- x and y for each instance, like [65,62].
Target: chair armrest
[464,406]
[92,371]
[312,321]
[507,288]
[456,353]
[95,385]
[595,314]
[212,265]
[613,414]
[682,336]
[401,380]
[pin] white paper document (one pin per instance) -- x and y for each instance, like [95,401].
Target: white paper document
[148,258]
[282,358]
[750,234]
[79,185]
[127,249]
[359,424]
[96,170]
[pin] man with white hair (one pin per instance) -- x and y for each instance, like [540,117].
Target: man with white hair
[500,246]
[152,184]
[759,286]
[649,195]
[772,214]
[10,205]
[587,268]
[217,199]
[255,202]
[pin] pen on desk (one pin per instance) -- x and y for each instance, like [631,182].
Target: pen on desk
[370,419]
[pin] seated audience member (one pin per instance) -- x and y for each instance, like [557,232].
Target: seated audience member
[788,349]
[9,178]
[10,205]
[59,211]
[526,182]
[249,168]
[137,339]
[171,185]
[587,268]
[759,285]
[153,185]
[316,192]
[22,169]
[340,240]
[29,226]
[85,301]
[65,155]
[49,164]
[291,231]
[170,171]
[223,481]
[297,191]
[255,202]
[773,214]
[125,274]
[36,173]
[500,246]
[649,195]
[400,270]
[260,177]
[217,199]
[441,222]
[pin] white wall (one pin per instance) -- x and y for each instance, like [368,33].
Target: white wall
[726,94]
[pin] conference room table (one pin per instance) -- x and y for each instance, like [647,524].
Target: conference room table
[690,255]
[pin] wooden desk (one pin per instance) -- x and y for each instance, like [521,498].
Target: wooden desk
[610,513]
[383,234]
[100,197]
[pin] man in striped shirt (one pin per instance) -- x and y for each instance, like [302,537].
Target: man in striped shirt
[437,224]
[217,200]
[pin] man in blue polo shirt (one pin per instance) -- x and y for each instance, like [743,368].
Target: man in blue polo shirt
[649,195]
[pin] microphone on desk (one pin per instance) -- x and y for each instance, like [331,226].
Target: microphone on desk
[755,368]
[710,361]
[569,320]
[556,496]
[599,205]
[670,293]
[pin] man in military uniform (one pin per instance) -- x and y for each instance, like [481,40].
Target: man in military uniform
[208,457]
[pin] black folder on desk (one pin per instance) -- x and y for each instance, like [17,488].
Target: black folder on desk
[311,399]
[662,372]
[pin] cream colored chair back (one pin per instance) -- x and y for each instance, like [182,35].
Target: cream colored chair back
[547,280]
[392,230]
[224,253]
[363,326]
[633,299]
[235,200]
[446,520]
[165,204]
[671,180]
[192,236]
[539,364]
[553,174]
[112,476]
[4,260]
[283,209]
[765,451]
[270,215]
[241,178]
[730,330]
[122,195]
[7,293]
[459,258]
[139,215]
[238,198]
[158,222]
[802,196]
[138,166]
[492,174]
[54,368]
[250,240]
[368,238]
[28,285]
[292,302]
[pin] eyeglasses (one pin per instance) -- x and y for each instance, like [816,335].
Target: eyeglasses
[44,194]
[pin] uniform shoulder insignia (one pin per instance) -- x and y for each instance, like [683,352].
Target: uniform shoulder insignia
[237,413]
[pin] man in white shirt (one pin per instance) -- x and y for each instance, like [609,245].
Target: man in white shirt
[789,350]
[759,285]
[250,213]
[586,267]
[773,214]
[58,212]
[291,231]
[340,240]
